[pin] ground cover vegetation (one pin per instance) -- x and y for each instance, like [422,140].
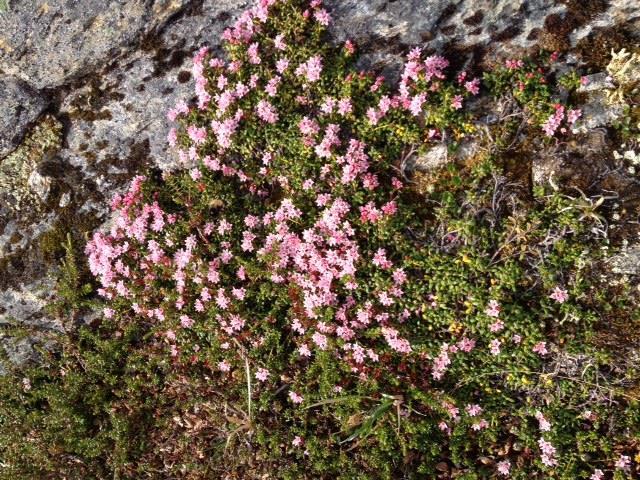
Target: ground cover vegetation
[294,303]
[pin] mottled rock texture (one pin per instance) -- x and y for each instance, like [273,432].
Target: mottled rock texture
[20,106]
[107,71]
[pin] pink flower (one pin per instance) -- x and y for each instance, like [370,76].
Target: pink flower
[573,115]
[495,346]
[195,174]
[380,259]
[224,226]
[553,122]
[297,441]
[373,116]
[308,127]
[548,453]
[496,326]
[295,398]
[272,86]
[262,374]
[349,47]
[597,475]
[540,348]
[482,424]
[224,366]
[544,424]
[108,312]
[186,322]
[466,345]
[456,103]
[172,137]
[310,69]
[221,300]
[473,410]
[252,51]
[327,105]
[385,299]
[344,106]
[623,463]
[493,309]
[504,467]
[441,362]
[279,42]
[560,295]
[584,80]
[320,340]
[397,343]
[322,17]
[416,104]
[514,64]
[473,86]
[282,65]
[238,293]
[369,213]
[304,351]
[266,112]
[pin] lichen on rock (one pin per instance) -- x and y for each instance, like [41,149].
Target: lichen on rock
[22,186]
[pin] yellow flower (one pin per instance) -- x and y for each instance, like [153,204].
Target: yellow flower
[455,328]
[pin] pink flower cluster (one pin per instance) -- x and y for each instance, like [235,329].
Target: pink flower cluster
[553,122]
[311,69]
[548,453]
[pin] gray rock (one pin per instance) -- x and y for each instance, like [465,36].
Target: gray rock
[544,168]
[596,82]
[598,111]
[120,121]
[27,304]
[627,262]
[20,106]
[17,351]
[51,43]
[39,184]
[434,158]
[382,27]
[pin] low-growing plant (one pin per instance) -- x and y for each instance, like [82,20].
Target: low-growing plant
[288,306]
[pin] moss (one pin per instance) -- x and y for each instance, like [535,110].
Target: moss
[595,49]
[51,242]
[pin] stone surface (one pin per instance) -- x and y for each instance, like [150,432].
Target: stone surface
[627,262]
[49,43]
[25,325]
[597,111]
[20,106]
[119,121]
[433,159]
[109,71]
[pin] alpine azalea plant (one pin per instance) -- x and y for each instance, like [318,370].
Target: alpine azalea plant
[363,330]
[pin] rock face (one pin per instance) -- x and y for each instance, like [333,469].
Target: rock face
[20,106]
[48,44]
[105,73]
